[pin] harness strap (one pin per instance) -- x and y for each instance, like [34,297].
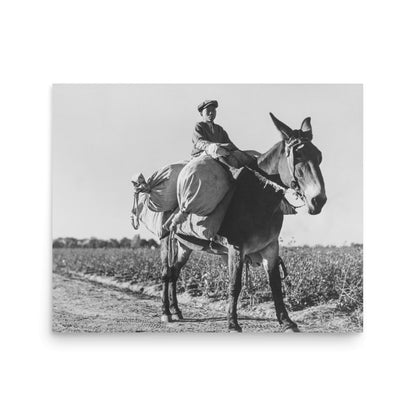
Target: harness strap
[295,142]
[290,157]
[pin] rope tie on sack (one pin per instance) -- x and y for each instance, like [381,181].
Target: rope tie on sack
[135,211]
[140,185]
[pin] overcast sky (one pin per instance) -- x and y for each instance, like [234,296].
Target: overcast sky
[102,134]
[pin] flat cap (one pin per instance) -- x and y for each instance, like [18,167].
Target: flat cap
[207,103]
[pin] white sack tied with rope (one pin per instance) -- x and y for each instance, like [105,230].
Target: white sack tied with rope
[160,187]
[202,185]
[151,220]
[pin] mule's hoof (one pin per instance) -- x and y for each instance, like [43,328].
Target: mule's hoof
[166,318]
[234,328]
[177,316]
[292,328]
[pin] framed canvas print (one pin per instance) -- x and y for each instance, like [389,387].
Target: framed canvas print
[207,208]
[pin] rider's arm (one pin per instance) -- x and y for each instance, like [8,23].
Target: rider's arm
[227,140]
[198,139]
[214,148]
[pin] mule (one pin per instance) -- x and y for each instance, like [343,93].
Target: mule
[254,219]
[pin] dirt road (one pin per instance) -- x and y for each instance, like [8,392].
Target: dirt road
[81,305]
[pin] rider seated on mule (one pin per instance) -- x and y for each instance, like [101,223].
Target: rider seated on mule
[212,139]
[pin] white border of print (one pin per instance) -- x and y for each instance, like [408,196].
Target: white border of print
[49,42]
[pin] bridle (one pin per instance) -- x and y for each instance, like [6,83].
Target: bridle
[295,142]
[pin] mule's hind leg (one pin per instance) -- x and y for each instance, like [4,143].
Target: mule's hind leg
[183,256]
[166,276]
[235,269]
[270,257]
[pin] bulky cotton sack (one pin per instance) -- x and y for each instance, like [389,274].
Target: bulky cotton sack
[162,183]
[202,185]
[206,227]
[151,220]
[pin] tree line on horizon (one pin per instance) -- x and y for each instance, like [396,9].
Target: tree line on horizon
[93,242]
[138,242]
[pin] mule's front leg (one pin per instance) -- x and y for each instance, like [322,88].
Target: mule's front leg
[270,257]
[235,268]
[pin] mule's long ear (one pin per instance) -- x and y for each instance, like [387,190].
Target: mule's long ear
[285,130]
[306,125]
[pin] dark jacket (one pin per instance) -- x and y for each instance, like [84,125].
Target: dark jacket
[203,136]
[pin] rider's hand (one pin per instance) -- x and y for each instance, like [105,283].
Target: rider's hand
[215,151]
[222,151]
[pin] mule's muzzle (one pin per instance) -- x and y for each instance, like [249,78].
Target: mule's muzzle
[316,204]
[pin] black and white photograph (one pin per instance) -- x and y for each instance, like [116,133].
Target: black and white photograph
[207,208]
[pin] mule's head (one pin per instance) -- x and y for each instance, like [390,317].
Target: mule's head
[298,164]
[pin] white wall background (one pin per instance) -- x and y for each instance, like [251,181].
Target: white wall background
[49,42]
